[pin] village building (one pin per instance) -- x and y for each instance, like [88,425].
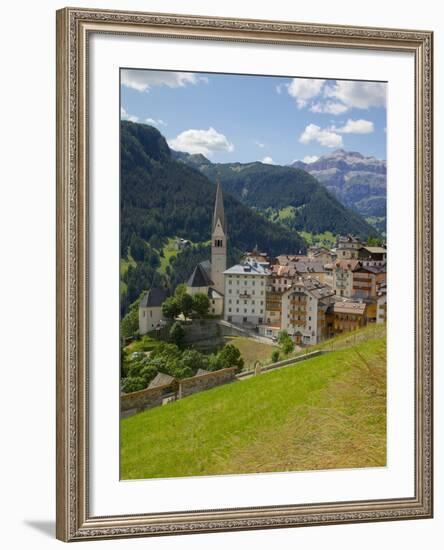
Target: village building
[304,310]
[208,276]
[365,281]
[320,254]
[375,256]
[245,293]
[150,310]
[349,315]
[286,259]
[201,283]
[182,244]
[381,301]
[219,243]
[343,277]
[256,256]
[348,248]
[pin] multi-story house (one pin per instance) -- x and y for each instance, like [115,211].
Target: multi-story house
[343,277]
[304,309]
[245,286]
[320,254]
[375,256]
[348,248]
[348,315]
[381,304]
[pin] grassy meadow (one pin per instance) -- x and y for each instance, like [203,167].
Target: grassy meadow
[326,412]
[252,350]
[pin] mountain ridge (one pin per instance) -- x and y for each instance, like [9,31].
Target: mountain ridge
[272,189]
[358,181]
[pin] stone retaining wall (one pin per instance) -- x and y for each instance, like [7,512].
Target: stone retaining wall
[148,398]
[131,403]
[195,384]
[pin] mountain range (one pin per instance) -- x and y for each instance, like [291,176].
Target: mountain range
[165,194]
[358,181]
[290,196]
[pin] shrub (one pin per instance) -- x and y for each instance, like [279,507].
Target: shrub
[201,304]
[131,384]
[177,334]
[275,356]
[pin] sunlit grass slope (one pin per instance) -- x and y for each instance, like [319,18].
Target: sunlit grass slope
[326,412]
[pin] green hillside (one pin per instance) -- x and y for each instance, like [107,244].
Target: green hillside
[327,412]
[284,194]
[162,198]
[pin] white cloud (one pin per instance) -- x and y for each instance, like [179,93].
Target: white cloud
[205,142]
[259,144]
[331,107]
[143,80]
[154,122]
[358,95]
[335,97]
[359,126]
[325,137]
[309,159]
[303,89]
[267,160]
[126,116]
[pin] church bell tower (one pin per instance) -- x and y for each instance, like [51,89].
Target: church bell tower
[219,243]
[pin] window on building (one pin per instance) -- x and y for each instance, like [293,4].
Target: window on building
[245,319]
[229,309]
[229,301]
[245,301]
[218,243]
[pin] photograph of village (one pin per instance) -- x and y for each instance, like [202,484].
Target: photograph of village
[253,263]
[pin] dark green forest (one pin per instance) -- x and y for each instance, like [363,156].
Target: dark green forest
[270,189]
[161,197]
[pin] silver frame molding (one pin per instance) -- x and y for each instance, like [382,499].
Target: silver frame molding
[74,521]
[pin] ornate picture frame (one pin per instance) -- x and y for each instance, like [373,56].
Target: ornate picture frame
[74,28]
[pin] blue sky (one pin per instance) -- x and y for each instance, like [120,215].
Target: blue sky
[243,118]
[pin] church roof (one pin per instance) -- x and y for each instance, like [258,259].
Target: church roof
[219,213]
[199,277]
[154,297]
[213,294]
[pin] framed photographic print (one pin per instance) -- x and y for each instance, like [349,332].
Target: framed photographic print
[244,274]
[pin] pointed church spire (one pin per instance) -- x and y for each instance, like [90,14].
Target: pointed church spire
[219,213]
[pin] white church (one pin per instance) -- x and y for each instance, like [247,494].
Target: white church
[208,276]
